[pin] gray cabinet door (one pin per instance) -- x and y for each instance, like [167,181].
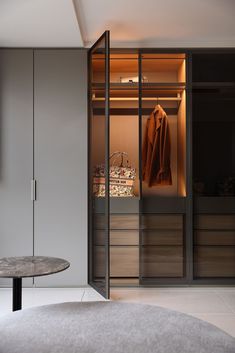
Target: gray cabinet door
[60,211]
[16,157]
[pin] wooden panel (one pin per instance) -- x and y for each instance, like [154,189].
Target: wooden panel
[162,237]
[162,261]
[118,237]
[207,237]
[156,221]
[214,222]
[214,261]
[124,261]
[124,282]
[128,221]
[118,221]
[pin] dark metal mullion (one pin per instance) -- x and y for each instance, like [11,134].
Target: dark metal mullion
[90,201]
[140,167]
[107,149]
[189,173]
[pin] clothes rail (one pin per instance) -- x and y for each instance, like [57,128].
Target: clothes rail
[177,99]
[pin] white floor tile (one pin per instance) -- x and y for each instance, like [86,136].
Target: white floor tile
[228,297]
[225,322]
[185,300]
[91,295]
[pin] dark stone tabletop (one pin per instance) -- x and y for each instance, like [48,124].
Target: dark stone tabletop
[31,266]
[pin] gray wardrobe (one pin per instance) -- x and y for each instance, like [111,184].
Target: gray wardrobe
[43,118]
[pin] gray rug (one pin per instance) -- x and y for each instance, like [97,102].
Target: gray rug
[109,327]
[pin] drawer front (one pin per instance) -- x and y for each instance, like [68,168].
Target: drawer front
[124,261]
[162,261]
[162,237]
[118,237]
[214,237]
[127,221]
[214,261]
[156,221]
[214,222]
[118,221]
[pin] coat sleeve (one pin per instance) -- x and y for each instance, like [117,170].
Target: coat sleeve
[145,151]
[164,175]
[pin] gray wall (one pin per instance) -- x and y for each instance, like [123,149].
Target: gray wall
[59,225]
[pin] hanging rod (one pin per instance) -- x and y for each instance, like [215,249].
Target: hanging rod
[177,99]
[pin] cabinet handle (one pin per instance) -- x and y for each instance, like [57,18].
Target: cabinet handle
[33,190]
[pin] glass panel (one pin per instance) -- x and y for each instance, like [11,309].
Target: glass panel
[163,126]
[213,68]
[124,131]
[163,122]
[98,166]
[214,171]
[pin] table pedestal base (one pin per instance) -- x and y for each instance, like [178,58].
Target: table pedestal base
[17,294]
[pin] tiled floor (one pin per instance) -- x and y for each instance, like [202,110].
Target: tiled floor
[215,305]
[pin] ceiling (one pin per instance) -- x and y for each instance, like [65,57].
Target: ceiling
[133,23]
[39,23]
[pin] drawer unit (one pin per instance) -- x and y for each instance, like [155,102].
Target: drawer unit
[124,261]
[214,221]
[118,237]
[162,237]
[212,261]
[162,261]
[214,246]
[118,221]
[166,221]
[214,237]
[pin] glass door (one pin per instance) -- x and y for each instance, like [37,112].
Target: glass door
[98,159]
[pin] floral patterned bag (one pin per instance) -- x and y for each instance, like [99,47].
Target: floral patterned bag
[121,178]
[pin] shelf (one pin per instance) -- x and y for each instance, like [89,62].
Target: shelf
[176,99]
[135,85]
[132,111]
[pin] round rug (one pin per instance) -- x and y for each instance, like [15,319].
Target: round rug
[109,327]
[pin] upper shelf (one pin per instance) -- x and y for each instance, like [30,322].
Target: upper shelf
[144,85]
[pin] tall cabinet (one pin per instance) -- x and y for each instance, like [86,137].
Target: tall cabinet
[43,113]
[176,226]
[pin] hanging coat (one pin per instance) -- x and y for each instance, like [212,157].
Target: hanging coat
[157,149]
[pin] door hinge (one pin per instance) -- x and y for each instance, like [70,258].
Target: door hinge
[33,190]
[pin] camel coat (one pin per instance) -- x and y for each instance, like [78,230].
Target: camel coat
[157,149]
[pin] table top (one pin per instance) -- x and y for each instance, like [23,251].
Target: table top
[31,266]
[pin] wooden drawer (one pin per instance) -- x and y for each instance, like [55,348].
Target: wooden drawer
[118,237]
[162,237]
[124,261]
[162,261]
[156,221]
[127,221]
[214,237]
[214,261]
[214,222]
[118,221]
